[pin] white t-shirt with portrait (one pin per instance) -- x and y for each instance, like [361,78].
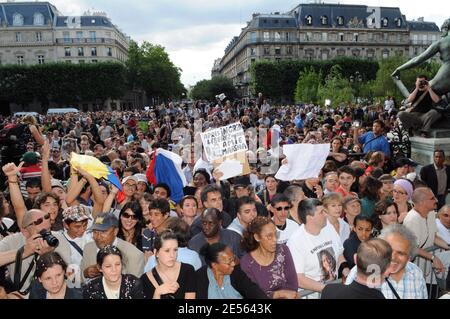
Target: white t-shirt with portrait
[309,253]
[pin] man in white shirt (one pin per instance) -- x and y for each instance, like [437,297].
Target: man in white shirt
[421,220]
[443,223]
[316,248]
[280,207]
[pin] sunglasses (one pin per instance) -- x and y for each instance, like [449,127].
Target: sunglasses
[283,208]
[39,221]
[126,216]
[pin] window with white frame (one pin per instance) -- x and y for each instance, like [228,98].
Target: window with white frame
[340,20]
[38,19]
[41,59]
[309,20]
[67,51]
[93,35]
[80,51]
[18,37]
[79,36]
[94,51]
[20,59]
[277,36]
[385,22]
[266,36]
[109,51]
[17,19]
[324,20]
[66,36]
[38,36]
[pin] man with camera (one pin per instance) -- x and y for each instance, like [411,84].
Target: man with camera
[19,251]
[421,115]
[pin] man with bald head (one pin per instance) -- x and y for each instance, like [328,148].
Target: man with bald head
[30,245]
[421,220]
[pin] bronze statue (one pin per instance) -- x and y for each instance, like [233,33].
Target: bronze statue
[426,100]
[441,82]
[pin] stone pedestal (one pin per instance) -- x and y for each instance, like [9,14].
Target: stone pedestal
[422,148]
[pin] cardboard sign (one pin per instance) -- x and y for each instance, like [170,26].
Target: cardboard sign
[224,141]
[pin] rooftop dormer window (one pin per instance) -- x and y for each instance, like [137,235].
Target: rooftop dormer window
[309,20]
[38,19]
[340,20]
[398,22]
[17,19]
[324,20]
[384,22]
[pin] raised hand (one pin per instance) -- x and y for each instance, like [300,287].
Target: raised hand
[11,169]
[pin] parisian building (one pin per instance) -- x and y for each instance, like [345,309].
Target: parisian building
[36,33]
[322,32]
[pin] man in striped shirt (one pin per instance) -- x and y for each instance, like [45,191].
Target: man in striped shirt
[406,280]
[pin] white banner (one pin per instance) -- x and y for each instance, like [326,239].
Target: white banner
[304,161]
[224,141]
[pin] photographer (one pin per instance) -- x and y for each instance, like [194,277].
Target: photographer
[20,250]
[421,115]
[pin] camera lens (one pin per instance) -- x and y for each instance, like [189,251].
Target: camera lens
[49,238]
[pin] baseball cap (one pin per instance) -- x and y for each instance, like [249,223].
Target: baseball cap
[386,178]
[57,183]
[104,221]
[141,178]
[75,213]
[405,161]
[126,179]
[242,181]
[30,158]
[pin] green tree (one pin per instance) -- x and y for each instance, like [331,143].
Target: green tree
[336,88]
[208,89]
[308,86]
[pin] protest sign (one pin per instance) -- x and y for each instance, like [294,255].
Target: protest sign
[224,141]
[303,161]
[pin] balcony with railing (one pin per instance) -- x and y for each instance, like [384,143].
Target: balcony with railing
[25,42]
[66,41]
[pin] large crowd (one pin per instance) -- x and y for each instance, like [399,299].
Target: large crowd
[66,234]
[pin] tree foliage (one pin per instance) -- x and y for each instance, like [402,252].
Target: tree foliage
[208,89]
[150,69]
[62,83]
[336,88]
[278,80]
[308,86]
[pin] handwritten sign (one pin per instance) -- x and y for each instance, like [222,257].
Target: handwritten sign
[224,141]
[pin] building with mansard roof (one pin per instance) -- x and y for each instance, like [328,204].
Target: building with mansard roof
[36,33]
[322,32]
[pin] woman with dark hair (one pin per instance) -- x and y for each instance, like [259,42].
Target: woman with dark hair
[50,203]
[112,284]
[362,231]
[370,195]
[169,279]
[385,213]
[337,152]
[130,224]
[201,178]
[267,263]
[222,278]
[376,160]
[327,265]
[270,189]
[188,209]
[51,279]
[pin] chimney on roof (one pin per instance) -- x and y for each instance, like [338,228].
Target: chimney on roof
[277,13]
[420,19]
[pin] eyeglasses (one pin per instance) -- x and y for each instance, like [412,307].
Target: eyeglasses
[126,216]
[39,221]
[283,208]
[398,192]
[229,262]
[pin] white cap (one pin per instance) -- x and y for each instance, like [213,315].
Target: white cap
[141,178]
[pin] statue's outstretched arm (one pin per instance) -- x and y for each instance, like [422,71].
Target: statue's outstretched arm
[418,60]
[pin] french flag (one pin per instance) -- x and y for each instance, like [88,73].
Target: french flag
[165,167]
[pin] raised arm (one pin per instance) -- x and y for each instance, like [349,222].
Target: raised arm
[96,191]
[46,177]
[11,171]
[37,135]
[75,188]
[418,60]
[110,199]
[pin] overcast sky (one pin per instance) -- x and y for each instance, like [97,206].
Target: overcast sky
[196,32]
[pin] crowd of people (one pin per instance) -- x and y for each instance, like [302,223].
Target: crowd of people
[66,234]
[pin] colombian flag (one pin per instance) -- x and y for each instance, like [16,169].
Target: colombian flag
[96,168]
[165,167]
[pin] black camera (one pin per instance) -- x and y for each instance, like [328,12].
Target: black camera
[423,82]
[49,238]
